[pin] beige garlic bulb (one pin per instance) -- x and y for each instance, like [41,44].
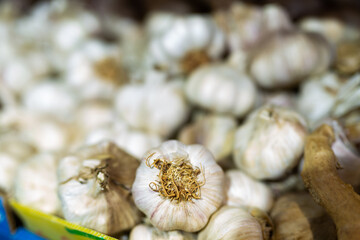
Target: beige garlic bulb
[270,142]
[287,57]
[158,109]
[215,132]
[146,232]
[36,183]
[178,186]
[242,190]
[186,43]
[318,95]
[94,188]
[221,89]
[230,223]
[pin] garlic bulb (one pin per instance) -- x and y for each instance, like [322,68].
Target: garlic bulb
[221,89]
[158,109]
[270,142]
[94,188]
[145,232]
[50,97]
[214,132]
[186,43]
[158,22]
[318,95]
[178,186]
[232,223]
[36,183]
[279,98]
[242,190]
[286,58]
[134,142]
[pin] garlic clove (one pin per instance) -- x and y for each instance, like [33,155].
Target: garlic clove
[145,232]
[170,211]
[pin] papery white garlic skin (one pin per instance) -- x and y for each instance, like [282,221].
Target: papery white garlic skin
[145,232]
[318,95]
[286,58]
[221,89]
[215,132]
[183,36]
[232,223]
[169,215]
[141,232]
[242,190]
[158,109]
[270,142]
[36,183]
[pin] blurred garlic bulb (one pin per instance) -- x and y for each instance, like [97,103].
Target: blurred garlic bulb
[318,95]
[14,149]
[145,232]
[221,89]
[287,57]
[186,43]
[270,142]
[94,188]
[232,223]
[36,183]
[178,186]
[334,30]
[95,70]
[51,97]
[158,22]
[214,132]
[245,25]
[279,98]
[242,190]
[134,142]
[158,109]
[348,57]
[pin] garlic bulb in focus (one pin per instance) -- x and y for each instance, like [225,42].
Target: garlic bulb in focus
[186,43]
[193,186]
[36,183]
[145,232]
[318,95]
[158,109]
[270,142]
[94,188]
[232,223]
[214,132]
[221,89]
[286,58]
[242,190]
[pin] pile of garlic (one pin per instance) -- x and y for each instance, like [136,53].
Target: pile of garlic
[183,126]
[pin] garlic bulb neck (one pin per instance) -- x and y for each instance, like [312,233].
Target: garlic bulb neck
[177,178]
[193,60]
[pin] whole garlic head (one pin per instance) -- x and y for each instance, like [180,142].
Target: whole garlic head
[145,232]
[158,109]
[270,142]
[242,190]
[36,183]
[232,223]
[186,43]
[221,89]
[178,186]
[215,132]
[287,57]
[94,188]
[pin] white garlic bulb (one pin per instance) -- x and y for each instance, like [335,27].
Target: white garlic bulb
[242,190]
[145,232]
[50,97]
[215,132]
[318,95]
[158,22]
[178,186]
[232,223]
[270,142]
[279,98]
[286,58]
[221,89]
[158,109]
[94,188]
[36,183]
[186,43]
